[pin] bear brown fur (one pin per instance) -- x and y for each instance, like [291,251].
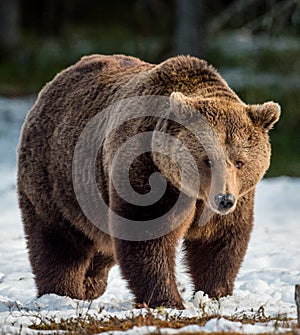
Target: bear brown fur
[69,255]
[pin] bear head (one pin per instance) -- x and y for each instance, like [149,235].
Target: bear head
[221,150]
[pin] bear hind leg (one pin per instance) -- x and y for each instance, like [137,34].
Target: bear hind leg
[59,254]
[61,266]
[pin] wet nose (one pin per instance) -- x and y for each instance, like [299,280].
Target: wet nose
[224,201]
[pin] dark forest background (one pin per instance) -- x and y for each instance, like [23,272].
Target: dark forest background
[254,44]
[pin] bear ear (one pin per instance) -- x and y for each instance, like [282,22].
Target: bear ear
[179,105]
[265,115]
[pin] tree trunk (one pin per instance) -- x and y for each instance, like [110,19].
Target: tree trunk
[190,27]
[9,26]
[297,299]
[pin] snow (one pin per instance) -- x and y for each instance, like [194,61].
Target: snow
[265,283]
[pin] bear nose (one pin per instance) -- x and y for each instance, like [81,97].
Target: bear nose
[224,201]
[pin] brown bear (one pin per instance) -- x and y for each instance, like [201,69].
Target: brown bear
[71,255]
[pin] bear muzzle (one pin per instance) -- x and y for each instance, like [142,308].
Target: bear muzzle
[223,203]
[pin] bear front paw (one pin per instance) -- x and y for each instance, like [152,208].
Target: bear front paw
[94,288]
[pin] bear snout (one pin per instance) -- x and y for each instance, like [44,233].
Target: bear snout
[224,202]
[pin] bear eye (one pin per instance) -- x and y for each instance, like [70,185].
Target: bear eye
[208,163]
[239,164]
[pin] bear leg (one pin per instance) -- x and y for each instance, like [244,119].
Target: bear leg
[211,272]
[59,254]
[148,266]
[214,260]
[60,264]
[96,276]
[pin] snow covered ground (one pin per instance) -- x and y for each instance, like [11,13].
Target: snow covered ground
[265,283]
